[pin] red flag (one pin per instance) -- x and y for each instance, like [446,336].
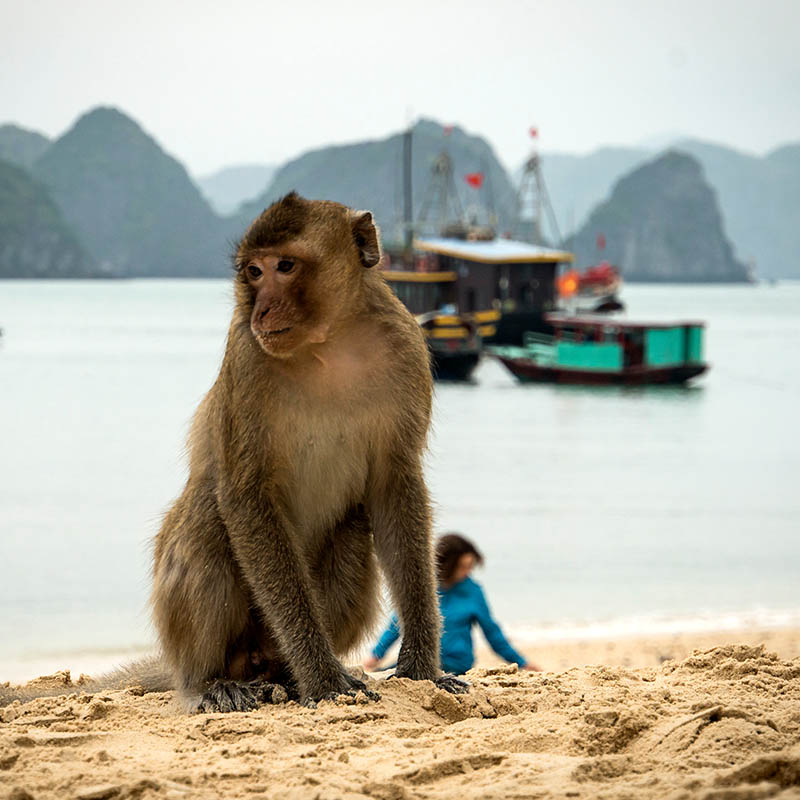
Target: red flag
[534,132]
[601,241]
[474,179]
[447,130]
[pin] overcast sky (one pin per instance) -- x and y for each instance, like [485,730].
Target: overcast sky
[221,83]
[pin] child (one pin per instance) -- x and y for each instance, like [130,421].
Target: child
[462,604]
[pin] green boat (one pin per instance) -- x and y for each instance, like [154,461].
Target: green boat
[600,350]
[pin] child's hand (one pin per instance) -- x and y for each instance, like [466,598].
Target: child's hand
[370,663]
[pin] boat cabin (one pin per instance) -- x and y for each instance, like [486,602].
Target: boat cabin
[602,350]
[503,286]
[422,292]
[600,343]
[497,273]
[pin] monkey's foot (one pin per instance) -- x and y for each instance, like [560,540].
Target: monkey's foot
[353,688]
[451,684]
[271,693]
[448,682]
[224,696]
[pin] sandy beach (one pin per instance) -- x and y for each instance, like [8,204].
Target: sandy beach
[720,722]
[646,651]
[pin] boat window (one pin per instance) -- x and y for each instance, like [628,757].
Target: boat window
[526,295]
[401,290]
[419,296]
[634,347]
[471,304]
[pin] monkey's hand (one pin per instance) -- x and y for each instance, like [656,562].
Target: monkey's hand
[451,684]
[350,688]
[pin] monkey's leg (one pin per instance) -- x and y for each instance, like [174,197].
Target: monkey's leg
[344,576]
[401,518]
[280,585]
[201,612]
[345,579]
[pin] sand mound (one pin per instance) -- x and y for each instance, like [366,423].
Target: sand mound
[723,724]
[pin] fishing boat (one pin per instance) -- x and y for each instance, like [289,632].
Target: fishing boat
[598,350]
[504,286]
[454,344]
[594,290]
[474,292]
[453,340]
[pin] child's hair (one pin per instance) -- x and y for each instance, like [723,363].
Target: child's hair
[449,549]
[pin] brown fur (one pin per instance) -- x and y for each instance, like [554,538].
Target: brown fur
[305,470]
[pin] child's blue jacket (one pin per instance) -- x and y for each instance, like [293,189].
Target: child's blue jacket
[462,606]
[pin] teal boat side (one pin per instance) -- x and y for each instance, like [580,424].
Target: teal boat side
[596,356]
[694,344]
[608,351]
[664,347]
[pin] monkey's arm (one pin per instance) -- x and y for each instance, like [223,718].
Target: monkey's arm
[261,540]
[401,519]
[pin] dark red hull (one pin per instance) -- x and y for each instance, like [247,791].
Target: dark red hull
[527,370]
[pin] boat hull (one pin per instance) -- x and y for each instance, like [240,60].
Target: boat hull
[454,366]
[528,371]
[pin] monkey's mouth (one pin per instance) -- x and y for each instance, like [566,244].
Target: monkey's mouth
[276,332]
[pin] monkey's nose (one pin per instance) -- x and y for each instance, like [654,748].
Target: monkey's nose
[263,313]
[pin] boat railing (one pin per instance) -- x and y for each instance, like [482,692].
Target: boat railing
[531,338]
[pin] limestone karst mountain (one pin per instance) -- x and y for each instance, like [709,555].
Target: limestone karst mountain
[229,187]
[759,196]
[662,223]
[133,205]
[370,175]
[35,240]
[21,146]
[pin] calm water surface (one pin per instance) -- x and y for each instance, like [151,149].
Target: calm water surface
[623,508]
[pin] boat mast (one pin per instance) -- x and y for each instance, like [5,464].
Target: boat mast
[532,198]
[488,193]
[408,203]
[441,193]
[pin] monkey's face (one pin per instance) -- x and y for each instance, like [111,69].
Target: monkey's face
[285,314]
[300,269]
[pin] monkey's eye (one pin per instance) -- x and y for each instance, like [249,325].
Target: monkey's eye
[254,271]
[285,265]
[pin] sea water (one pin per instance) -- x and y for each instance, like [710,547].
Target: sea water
[600,511]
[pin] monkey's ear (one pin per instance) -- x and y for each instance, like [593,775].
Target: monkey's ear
[365,235]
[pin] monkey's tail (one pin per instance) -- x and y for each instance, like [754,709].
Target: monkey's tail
[149,674]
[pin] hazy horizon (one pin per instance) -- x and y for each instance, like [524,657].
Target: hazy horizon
[261,84]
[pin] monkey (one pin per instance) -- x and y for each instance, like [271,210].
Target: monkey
[305,475]
[305,478]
